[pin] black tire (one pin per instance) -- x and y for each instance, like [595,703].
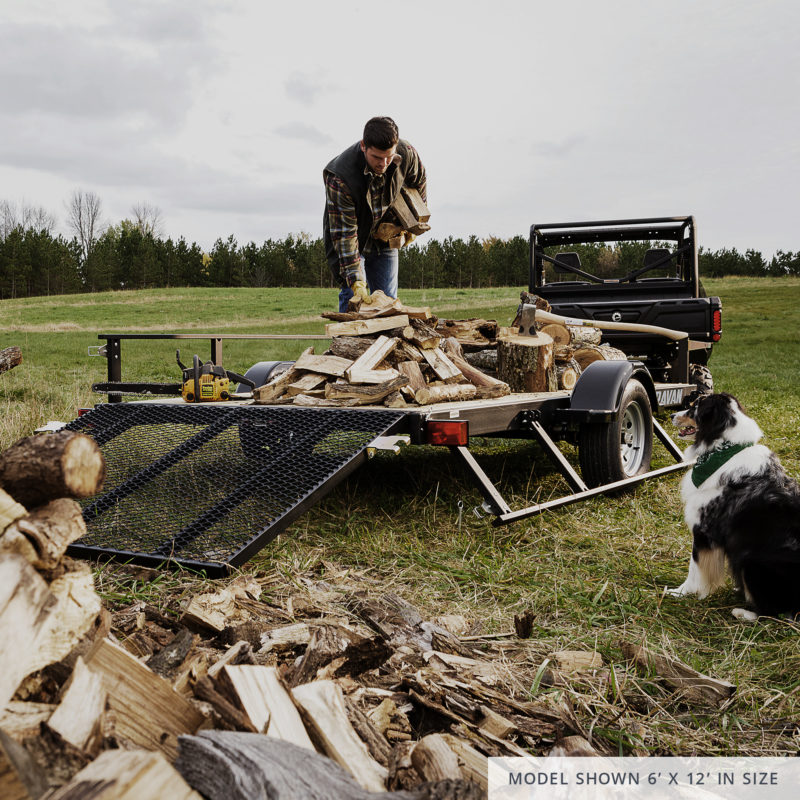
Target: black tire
[622,448]
[700,376]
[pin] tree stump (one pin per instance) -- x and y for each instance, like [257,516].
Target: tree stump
[526,363]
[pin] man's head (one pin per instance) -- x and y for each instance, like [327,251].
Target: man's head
[379,143]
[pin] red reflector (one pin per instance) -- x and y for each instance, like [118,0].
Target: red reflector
[82,411]
[717,321]
[454,433]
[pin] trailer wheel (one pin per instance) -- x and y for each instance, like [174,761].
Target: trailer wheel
[622,448]
[700,376]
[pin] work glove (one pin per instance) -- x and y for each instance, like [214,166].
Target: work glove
[360,291]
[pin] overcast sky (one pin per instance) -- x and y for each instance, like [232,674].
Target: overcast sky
[223,114]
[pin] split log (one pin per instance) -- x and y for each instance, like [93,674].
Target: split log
[567,373]
[586,354]
[557,332]
[77,718]
[322,706]
[285,638]
[10,357]
[351,347]
[238,654]
[379,305]
[148,712]
[363,368]
[21,778]
[326,365]
[446,393]
[21,719]
[419,334]
[489,386]
[241,766]
[40,468]
[270,392]
[366,327]
[266,702]
[470,333]
[307,383]
[474,764]
[526,363]
[411,371]
[584,334]
[44,535]
[442,366]
[127,775]
[395,400]
[26,604]
[364,395]
[434,760]
[10,511]
[693,685]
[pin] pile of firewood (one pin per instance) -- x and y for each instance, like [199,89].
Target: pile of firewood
[389,354]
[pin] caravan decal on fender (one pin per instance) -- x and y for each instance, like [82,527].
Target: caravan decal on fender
[669,397]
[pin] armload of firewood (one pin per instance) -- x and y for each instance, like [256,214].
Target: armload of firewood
[387,354]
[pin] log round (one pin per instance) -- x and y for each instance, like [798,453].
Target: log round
[41,468]
[589,353]
[526,363]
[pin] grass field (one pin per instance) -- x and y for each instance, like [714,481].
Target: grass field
[594,573]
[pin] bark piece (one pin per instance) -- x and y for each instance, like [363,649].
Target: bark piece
[526,363]
[10,357]
[366,327]
[577,660]
[26,605]
[572,746]
[694,686]
[127,775]
[49,530]
[583,334]
[287,637]
[148,712]
[377,745]
[21,719]
[167,661]
[322,706]
[267,702]
[40,468]
[442,394]
[352,654]
[309,401]
[230,716]
[78,715]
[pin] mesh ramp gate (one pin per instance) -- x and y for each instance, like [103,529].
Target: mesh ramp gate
[208,486]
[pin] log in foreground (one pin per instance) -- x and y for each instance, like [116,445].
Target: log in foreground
[41,468]
[226,765]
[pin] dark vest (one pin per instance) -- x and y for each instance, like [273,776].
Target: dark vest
[349,167]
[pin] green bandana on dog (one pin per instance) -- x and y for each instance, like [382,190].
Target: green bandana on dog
[708,463]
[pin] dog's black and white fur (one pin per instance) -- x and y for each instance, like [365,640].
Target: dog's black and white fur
[745,514]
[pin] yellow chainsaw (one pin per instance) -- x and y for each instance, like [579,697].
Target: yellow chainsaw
[208,382]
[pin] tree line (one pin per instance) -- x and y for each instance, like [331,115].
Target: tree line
[135,254]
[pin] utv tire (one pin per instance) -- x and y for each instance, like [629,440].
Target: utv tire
[700,376]
[622,448]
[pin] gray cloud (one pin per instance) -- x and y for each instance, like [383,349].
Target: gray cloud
[560,149]
[306,133]
[303,88]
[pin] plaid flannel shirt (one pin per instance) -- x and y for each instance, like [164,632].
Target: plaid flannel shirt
[344,223]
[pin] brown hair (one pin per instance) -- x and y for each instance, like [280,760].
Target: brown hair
[380,133]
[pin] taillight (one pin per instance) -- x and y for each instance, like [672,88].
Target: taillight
[454,433]
[717,325]
[82,411]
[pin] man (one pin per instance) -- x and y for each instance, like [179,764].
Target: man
[360,185]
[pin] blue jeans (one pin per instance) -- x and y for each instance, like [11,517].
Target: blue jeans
[381,271]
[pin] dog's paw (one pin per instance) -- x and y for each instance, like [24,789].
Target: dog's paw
[680,591]
[744,615]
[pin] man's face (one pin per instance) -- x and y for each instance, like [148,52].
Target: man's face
[378,160]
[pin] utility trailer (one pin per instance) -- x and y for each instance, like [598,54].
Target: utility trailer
[205,486]
[208,485]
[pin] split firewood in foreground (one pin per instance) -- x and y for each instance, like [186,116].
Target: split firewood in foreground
[40,468]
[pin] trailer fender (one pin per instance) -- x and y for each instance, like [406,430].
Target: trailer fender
[262,372]
[598,392]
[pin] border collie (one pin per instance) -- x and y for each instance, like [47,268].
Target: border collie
[742,509]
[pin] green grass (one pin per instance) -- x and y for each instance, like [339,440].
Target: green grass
[593,573]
